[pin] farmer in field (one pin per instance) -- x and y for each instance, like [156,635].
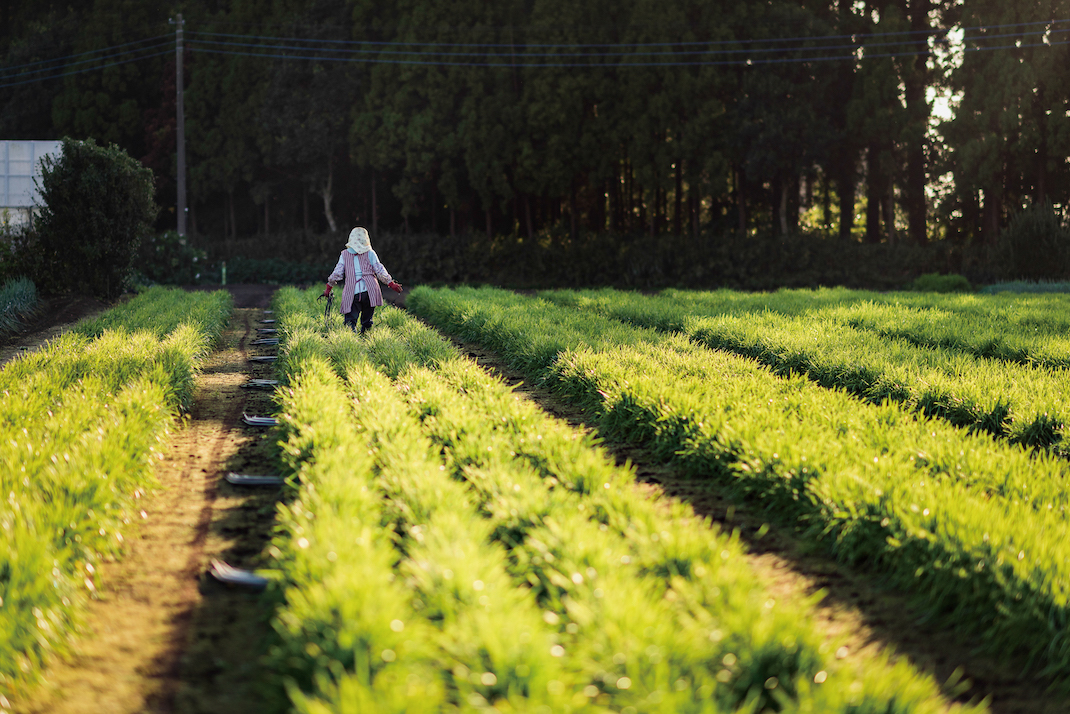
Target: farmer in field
[357,266]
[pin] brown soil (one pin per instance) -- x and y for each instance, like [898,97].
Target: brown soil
[855,610]
[163,636]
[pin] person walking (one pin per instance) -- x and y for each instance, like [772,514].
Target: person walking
[357,266]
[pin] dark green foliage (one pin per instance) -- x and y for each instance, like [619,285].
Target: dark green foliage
[98,202]
[170,259]
[1036,245]
[1027,286]
[936,283]
[627,261]
[18,301]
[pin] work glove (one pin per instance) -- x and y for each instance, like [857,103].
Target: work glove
[327,291]
[395,286]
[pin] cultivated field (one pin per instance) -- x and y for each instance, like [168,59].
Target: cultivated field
[443,544]
[81,423]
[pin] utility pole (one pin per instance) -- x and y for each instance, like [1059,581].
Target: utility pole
[180,127]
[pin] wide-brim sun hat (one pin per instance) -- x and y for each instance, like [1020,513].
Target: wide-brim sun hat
[359,240]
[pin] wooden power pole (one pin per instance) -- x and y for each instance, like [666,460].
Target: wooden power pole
[180,127]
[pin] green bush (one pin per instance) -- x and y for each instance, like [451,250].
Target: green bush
[936,283]
[1027,286]
[169,259]
[98,202]
[1036,244]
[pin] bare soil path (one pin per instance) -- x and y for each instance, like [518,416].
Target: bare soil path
[163,636]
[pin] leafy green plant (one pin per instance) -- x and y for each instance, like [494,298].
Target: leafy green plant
[1036,244]
[937,283]
[18,301]
[1019,402]
[1027,286]
[170,259]
[960,520]
[81,421]
[530,573]
[98,203]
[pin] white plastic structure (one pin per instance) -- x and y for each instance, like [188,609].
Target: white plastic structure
[20,164]
[235,576]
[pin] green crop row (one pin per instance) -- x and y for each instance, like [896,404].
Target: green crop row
[1025,404]
[1024,314]
[449,547]
[160,310]
[1027,330]
[974,528]
[81,421]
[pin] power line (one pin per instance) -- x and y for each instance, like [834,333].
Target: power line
[856,38]
[526,54]
[852,52]
[520,64]
[83,54]
[86,61]
[82,71]
[521,48]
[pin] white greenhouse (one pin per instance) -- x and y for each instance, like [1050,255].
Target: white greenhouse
[20,164]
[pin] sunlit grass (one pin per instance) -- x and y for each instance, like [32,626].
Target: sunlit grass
[81,423]
[973,527]
[515,565]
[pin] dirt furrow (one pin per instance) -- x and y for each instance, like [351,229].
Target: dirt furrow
[162,636]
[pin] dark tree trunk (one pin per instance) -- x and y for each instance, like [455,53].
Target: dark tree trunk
[992,216]
[678,209]
[233,214]
[304,208]
[453,222]
[490,225]
[741,200]
[694,206]
[826,205]
[793,207]
[845,188]
[598,209]
[375,209]
[874,194]
[529,230]
[572,218]
[434,208]
[889,217]
[915,82]
[782,206]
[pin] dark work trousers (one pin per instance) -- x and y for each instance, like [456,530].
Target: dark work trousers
[362,306]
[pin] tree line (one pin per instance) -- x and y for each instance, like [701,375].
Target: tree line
[528,117]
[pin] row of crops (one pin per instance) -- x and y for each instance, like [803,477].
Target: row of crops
[901,482]
[446,546]
[81,422]
[992,364]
